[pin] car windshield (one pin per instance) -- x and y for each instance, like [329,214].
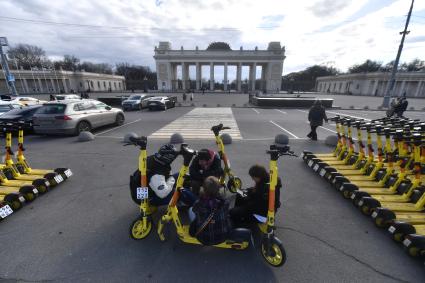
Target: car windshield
[52,109]
[22,111]
[134,97]
[4,108]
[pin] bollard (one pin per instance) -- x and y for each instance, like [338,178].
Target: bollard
[226,138]
[281,139]
[331,140]
[176,138]
[85,136]
[128,136]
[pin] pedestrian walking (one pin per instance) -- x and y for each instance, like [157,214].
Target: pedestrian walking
[184,96]
[316,115]
[191,96]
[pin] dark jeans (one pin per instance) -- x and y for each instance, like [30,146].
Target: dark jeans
[313,133]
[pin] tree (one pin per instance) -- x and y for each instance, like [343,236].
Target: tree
[366,67]
[305,80]
[413,66]
[135,76]
[28,56]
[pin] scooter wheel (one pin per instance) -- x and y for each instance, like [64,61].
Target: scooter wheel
[137,231]
[277,255]
[234,184]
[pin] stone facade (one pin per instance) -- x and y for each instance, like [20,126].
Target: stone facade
[411,83]
[167,60]
[56,81]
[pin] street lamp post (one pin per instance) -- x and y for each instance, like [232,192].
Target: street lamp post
[9,77]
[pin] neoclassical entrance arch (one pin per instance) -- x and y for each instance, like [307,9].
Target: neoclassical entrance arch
[219,54]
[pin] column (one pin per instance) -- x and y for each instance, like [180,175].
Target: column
[53,85]
[375,87]
[184,77]
[401,90]
[40,85]
[27,90]
[198,76]
[418,88]
[239,77]
[65,86]
[252,75]
[211,76]
[225,77]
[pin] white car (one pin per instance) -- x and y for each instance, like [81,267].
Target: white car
[6,106]
[26,101]
[60,97]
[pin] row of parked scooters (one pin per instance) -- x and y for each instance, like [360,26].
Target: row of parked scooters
[384,177]
[19,183]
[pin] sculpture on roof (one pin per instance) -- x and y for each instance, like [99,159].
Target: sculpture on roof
[218,46]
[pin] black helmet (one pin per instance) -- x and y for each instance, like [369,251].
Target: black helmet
[204,154]
[166,154]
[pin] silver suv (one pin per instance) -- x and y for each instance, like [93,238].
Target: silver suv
[71,117]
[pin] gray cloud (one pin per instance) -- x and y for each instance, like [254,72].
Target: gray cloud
[326,8]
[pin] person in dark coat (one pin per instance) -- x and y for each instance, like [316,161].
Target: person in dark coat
[401,107]
[206,163]
[256,199]
[210,221]
[316,115]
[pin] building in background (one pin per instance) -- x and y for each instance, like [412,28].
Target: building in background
[59,81]
[375,84]
[219,54]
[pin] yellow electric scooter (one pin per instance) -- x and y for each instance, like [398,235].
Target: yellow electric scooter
[234,183]
[142,226]
[58,174]
[271,247]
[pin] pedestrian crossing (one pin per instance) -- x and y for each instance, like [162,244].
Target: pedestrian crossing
[197,124]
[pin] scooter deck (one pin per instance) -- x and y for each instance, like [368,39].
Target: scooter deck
[25,177]
[360,178]
[33,171]
[412,218]
[15,183]
[8,190]
[401,207]
[420,229]
[366,184]
[324,155]
[378,191]
[390,198]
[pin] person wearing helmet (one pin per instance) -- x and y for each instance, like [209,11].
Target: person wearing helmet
[160,180]
[207,163]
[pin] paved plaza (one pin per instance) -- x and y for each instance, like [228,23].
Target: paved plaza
[80,231]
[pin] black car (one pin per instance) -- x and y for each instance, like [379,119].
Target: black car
[161,102]
[24,114]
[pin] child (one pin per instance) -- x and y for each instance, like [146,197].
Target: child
[256,199]
[210,215]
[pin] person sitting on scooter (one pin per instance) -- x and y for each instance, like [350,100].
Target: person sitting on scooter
[210,221]
[206,163]
[256,199]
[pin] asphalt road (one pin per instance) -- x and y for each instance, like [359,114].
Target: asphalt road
[80,230]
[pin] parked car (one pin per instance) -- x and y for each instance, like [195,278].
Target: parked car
[6,106]
[136,102]
[161,102]
[72,117]
[24,114]
[26,101]
[67,96]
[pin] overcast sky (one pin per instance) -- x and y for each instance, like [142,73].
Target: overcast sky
[336,32]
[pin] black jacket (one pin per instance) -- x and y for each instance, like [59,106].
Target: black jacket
[316,115]
[198,174]
[257,200]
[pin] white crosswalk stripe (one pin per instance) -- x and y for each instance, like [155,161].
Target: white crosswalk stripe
[197,124]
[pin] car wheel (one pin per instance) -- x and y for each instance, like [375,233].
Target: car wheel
[119,120]
[83,126]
